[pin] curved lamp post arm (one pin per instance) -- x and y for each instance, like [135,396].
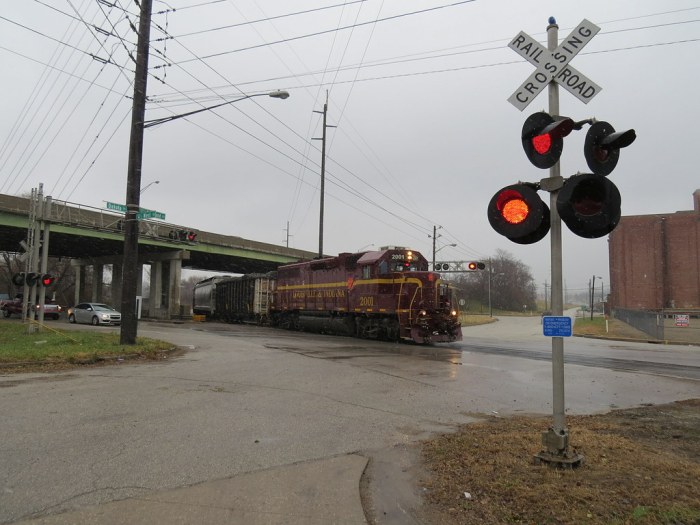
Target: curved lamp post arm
[157,121]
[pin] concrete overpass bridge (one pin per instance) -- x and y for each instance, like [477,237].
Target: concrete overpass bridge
[92,238]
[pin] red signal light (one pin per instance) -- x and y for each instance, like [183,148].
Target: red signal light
[543,138]
[472,266]
[589,205]
[517,212]
[542,143]
[47,279]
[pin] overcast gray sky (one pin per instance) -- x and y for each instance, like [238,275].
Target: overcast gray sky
[418,91]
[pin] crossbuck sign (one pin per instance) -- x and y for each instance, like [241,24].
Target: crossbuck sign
[554,65]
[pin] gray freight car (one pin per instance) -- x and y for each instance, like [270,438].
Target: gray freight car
[245,299]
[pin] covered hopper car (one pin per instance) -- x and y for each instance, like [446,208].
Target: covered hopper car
[387,294]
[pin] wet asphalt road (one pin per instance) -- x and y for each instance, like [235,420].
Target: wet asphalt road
[245,398]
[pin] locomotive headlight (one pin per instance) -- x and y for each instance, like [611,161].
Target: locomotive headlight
[422,313]
[409,255]
[453,313]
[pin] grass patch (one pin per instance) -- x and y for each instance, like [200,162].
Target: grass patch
[641,466]
[69,346]
[474,319]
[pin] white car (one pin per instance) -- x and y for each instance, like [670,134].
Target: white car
[94,313]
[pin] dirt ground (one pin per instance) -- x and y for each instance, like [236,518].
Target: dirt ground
[641,466]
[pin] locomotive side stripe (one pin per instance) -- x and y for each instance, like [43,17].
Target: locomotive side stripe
[364,282]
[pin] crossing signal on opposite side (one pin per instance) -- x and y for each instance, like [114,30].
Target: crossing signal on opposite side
[543,138]
[18,279]
[518,213]
[32,278]
[602,146]
[589,205]
[475,265]
[183,235]
[47,279]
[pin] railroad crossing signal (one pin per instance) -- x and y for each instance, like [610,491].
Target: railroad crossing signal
[543,138]
[476,265]
[602,147]
[183,235]
[554,65]
[518,213]
[589,205]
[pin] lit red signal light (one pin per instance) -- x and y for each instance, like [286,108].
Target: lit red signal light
[543,138]
[518,213]
[542,143]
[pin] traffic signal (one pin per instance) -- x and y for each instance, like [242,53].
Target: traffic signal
[517,212]
[47,279]
[474,265]
[183,235]
[602,146]
[18,279]
[589,205]
[543,138]
[32,278]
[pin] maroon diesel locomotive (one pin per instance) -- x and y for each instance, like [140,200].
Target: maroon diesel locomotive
[387,294]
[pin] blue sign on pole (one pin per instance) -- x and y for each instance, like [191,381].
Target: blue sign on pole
[556,326]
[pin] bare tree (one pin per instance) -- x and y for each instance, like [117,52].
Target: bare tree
[512,285]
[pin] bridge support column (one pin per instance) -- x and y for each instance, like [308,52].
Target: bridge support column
[97,278]
[79,282]
[174,287]
[117,284]
[156,293]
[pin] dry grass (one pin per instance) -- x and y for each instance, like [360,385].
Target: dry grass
[641,466]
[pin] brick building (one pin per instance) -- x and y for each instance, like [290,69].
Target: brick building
[655,261]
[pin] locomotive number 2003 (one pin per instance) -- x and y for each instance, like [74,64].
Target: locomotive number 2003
[366,301]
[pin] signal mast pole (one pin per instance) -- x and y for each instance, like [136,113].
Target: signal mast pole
[556,439]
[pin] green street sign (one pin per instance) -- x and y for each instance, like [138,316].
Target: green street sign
[116,207]
[149,214]
[142,214]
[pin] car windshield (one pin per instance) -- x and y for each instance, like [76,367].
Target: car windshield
[102,308]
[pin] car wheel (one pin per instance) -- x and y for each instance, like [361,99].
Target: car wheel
[71,318]
[6,313]
[95,320]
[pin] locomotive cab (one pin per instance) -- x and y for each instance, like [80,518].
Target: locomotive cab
[396,283]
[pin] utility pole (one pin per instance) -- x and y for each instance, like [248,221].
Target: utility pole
[130,265]
[287,234]
[435,236]
[323,174]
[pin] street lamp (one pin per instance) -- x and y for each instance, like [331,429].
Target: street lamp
[274,94]
[130,264]
[148,186]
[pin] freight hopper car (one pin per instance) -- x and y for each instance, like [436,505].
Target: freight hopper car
[203,296]
[244,299]
[387,294]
